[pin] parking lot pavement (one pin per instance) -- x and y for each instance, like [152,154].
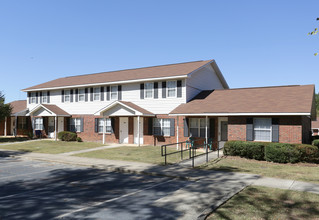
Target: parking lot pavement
[44,190]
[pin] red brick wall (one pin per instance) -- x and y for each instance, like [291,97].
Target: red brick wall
[236,128]
[2,127]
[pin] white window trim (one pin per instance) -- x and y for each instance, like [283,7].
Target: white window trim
[117,92]
[33,98]
[106,120]
[96,93]
[161,121]
[81,94]
[150,89]
[174,89]
[257,129]
[44,96]
[75,121]
[199,126]
[38,124]
[65,95]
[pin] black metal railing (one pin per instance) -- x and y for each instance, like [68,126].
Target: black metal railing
[192,149]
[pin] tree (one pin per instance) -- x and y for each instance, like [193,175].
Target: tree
[317,102]
[5,109]
[314,33]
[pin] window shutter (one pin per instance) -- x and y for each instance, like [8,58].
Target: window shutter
[172,126]
[186,131]
[82,124]
[212,128]
[48,94]
[112,125]
[36,95]
[29,97]
[86,94]
[150,126]
[107,93]
[91,94]
[142,91]
[40,97]
[76,95]
[71,95]
[102,93]
[96,130]
[68,124]
[275,130]
[249,129]
[164,89]
[155,90]
[62,96]
[119,92]
[179,88]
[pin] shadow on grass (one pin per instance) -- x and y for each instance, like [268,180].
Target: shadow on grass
[13,139]
[10,153]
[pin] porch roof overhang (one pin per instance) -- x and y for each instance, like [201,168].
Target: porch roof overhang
[21,113]
[221,114]
[121,108]
[48,110]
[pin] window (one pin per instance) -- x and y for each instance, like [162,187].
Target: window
[81,95]
[162,126]
[67,95]
[96,94]
[38,124]
[114,92]
[108,125]
[171,89]
[262,129]
[148,90]
[22,123]
[44,97]
[75,124]
[33,98]
[197,127]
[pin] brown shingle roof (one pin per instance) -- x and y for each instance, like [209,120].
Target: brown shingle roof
[281,99]
[18,106]
[124,75]
[56,110]
[136,107]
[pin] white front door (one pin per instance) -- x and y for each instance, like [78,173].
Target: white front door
[222,131]
[136,130]
[51,127]
[60,124]
[123,130]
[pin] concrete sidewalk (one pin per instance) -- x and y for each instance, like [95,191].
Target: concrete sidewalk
[92,149]
[175,171]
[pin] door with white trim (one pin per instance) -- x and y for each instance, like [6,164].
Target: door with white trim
[136,130]
[60,124]
[222,131]
[51,127]
[123,130]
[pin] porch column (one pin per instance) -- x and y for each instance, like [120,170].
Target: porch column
[177,131]
[138,130]
[5,126]
[55,127]
[206,136]
[15,126]
[104,127]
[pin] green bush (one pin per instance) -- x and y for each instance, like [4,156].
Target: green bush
[78,139]
[308,153]
[282,153]
[67,136]
[316,143]
[251,150]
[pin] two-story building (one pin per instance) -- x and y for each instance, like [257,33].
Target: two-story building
[167,104]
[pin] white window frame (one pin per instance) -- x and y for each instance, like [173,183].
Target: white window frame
[38,124]
[81,94]
[116,92]
[263,129]
[168,88]
[76,122]
[44,97]
[67,95]
[149,90]
[108,126]
[163,125]
[198,127]
[22,123]
[33,98]
[96,94]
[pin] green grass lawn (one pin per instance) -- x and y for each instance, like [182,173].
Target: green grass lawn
[12,139]
[50,147]
[301,171]
[146,154]
[269,203]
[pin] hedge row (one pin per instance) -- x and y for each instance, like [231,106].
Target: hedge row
[67,136]
[275,152]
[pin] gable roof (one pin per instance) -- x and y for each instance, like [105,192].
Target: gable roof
[294,100]
[138,110]
[52,109]
[147,73]
[18,106]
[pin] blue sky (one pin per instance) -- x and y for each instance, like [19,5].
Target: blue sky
[255,43]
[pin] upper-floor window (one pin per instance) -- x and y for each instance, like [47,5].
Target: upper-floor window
[44,97]
[114,92]
[97,92]
[262,129]
[148,90]
[197,127]
[171,88]
[67,96]
[33,98]
[81,95]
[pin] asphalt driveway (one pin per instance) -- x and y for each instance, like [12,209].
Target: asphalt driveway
[44,190]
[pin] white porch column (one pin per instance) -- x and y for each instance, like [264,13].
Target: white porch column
[138,130]
[55,127]
[104,127]
[206,136]
[5,126]
[177,131]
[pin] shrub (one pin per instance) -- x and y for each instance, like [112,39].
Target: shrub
[251,150]
[282,153]
[67,136]
[78,139]
[316,143]
[308,153]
